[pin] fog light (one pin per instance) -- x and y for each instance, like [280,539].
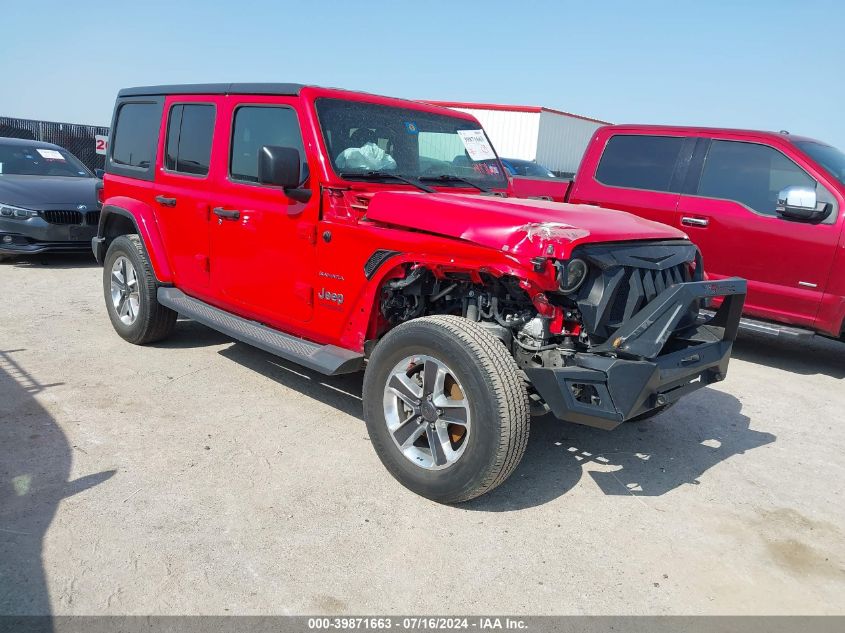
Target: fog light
[7,239]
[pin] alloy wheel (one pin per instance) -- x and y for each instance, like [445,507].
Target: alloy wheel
[125,295]
[427,412]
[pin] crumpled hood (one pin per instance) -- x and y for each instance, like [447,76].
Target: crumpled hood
[47,192]
[523,227]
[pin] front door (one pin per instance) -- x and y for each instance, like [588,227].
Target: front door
[733,221]
[263,242]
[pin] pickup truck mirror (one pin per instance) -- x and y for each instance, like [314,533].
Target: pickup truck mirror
[801,204]
[280,167]
[99,173]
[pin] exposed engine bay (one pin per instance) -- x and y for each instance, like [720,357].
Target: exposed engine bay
[598,290]
[499,304]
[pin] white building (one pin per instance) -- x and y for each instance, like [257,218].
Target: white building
[553,138]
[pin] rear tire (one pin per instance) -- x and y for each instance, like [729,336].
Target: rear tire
[426,446]
[130,289]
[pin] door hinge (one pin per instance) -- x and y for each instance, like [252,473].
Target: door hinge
[203,262]
[307,231]
[304,291]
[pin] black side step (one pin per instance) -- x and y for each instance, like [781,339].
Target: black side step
[747,324]
[326,359]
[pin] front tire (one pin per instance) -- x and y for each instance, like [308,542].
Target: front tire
[445,407]
[130,287]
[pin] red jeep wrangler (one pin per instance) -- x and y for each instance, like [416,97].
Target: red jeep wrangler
[343,230]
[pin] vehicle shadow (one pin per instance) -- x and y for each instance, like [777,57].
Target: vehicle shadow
[53,260]
[190,334]
[649,458]
[341,392]
[810,357]
[644,459]
[35,461]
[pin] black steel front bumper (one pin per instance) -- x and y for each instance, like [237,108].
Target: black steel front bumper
[648,362]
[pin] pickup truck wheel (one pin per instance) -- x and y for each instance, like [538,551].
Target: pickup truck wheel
[130,290]
[446,409]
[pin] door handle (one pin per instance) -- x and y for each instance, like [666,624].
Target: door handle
[226,214]
[165,201]
[687,221]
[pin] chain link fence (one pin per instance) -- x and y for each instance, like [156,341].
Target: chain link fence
[78,139]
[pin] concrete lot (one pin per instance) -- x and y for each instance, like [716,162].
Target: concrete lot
[204,476]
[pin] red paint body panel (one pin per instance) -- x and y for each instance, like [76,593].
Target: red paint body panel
[795,271]
[138,202]
[184,227]
[262,264]
[523,228]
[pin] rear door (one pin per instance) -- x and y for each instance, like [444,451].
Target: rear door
[262,241]
[638,173]
[730,214]
[182,189]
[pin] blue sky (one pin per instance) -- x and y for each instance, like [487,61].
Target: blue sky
[771,65]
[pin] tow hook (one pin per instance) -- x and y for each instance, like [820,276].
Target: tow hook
[692,358]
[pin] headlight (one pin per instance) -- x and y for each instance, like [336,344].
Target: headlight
[8,211]
[572,275]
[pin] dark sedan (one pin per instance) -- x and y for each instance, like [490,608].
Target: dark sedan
[48,199]
[526,168]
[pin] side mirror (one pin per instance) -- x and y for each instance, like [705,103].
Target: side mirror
[280,167]
[801,204]
[99,173]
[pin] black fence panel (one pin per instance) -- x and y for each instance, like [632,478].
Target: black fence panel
[76,138]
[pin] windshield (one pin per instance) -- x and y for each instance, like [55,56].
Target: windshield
[29,160]
[526,168]
[828,157]
[364,137]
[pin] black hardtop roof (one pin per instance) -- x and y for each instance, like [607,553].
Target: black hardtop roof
[214,89]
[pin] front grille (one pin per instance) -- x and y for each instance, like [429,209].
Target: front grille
[92,218]
[63,217]
[623,279]
[638,287]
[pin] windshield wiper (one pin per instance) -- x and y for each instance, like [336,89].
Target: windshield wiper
[453,178]
[372,175]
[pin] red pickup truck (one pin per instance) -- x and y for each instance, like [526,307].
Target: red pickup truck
[760,205]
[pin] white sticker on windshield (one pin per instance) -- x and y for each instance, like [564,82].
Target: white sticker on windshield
[50,154]
[477,145]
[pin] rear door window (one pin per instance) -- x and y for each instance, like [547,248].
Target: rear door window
[640,162]
[190,129]
[136,134]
